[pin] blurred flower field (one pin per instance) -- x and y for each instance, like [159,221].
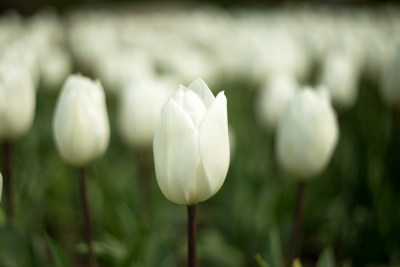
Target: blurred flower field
[352,209]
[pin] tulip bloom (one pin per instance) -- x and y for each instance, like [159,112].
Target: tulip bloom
[273,99]
[17,100]
[340,74]
[139,109]
[81,127]
[307,134]
[191,144]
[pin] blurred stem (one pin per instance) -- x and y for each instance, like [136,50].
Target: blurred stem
[192,233]
[144,158]
[297,222]
[390,154]
[8,180]
[88,221]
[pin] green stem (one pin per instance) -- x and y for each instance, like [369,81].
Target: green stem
[8,180]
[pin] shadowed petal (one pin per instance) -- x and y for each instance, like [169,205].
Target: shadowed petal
[214,142]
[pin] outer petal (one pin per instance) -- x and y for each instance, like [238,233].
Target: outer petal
[201,89]
[214,143]
[176,153]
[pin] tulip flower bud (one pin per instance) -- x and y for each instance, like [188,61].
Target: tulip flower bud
[139,108]
[80,125]
[307,134]
[191,144]
[273,99]
[390,81]
[55,65]
[17,100]
[340,73]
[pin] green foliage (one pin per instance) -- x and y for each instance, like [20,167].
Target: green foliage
[326,259]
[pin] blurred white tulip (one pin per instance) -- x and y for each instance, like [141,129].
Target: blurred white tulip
[140,103]
[307,134]
[340,74]
[17,100]
[390,81]
[55,65]
[115,70]
[273,99]
[191,144]
[24,54]
[80,124]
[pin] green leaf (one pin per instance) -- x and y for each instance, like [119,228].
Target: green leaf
[326,258]
[60,257]
[276,247]
[260,261]
[13,249]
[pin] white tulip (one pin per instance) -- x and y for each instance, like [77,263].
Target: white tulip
[17,100]
[307,134]
[273,99]
[390,81]
[80,125]
[140,104]
[340,73]
[24,54]
[55,65]
[191,144]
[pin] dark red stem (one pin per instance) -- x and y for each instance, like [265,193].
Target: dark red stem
[88,221]
[192,232]
[297,222]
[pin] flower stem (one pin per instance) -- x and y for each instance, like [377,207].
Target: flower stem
[297,223]
[145,160]
[192,257]
[8,180]
[88,221]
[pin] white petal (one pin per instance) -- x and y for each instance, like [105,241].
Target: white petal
[214,143]
[178,95]
[201,89]
[194,107]
[176,153]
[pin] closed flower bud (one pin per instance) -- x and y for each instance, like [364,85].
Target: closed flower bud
[191,144]
[307,134]
[273,99]
[55,65]
[80,125]
[139,108]
[17,100]
[340,73]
